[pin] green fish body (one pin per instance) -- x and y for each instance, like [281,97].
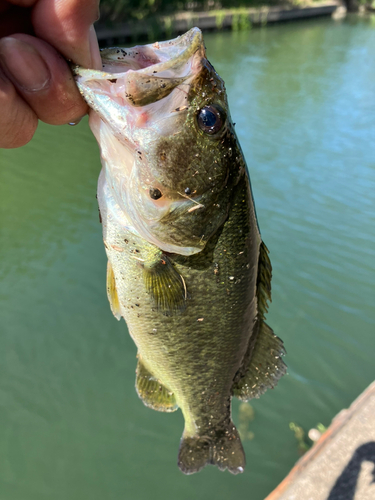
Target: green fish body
[187,268]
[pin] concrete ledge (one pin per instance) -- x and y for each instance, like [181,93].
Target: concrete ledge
[209,21]
[340,466]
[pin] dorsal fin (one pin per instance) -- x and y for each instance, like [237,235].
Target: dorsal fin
[263,280]
[263,365]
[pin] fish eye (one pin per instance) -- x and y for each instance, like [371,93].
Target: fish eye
[210,119]
[155,193]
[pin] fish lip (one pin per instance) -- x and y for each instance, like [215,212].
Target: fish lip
[190,43]
[176,61]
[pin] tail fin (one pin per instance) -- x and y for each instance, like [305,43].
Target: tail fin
[223,449]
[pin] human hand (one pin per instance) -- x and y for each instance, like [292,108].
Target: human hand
[35,79]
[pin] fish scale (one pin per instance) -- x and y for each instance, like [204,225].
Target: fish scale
[212,346]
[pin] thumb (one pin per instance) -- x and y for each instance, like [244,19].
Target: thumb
[67,25]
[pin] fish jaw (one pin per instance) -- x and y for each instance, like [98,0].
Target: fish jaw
[144,116]
[134,103]
[137,77]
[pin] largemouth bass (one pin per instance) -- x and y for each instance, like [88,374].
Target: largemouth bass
[187,268]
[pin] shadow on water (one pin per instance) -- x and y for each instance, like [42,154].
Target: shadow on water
[345,486]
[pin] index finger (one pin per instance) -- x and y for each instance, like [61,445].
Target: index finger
[14,18]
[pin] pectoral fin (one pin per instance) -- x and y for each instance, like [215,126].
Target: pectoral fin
[152,392]
[165,285]
[112,292]
[263,365]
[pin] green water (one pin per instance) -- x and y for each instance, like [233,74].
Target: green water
[71,425]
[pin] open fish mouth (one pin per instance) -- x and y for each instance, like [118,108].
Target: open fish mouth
[146,103]
[143,74]
[168,56]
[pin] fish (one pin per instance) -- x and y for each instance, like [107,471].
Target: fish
[187,267]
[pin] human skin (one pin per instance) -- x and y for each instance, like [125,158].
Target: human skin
[37,37]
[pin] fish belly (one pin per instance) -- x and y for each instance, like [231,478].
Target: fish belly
[195,353]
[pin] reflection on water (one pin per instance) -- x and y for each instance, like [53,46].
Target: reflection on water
[71,426]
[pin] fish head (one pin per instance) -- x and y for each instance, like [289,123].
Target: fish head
[168,146]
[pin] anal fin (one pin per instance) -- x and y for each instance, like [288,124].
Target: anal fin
[152,392]
[112,292]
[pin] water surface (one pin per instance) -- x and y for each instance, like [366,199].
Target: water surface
[71,425]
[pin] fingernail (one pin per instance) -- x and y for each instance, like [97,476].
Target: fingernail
[96,61]
[23,65]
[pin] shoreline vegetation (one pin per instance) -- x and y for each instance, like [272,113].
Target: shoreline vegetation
[131,20]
